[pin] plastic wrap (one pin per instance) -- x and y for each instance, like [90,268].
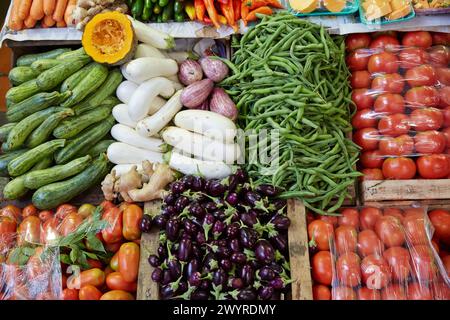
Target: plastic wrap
[402,98]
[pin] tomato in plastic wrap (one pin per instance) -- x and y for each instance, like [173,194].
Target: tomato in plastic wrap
[369,243]
[349,217]
[322,268]
[320,233]
[368,216]
[434,166]
[432,141]
[420,39]
[389,103]
[357,41]
[348,269]
[388,83]
[400,168]
[346,239]
[371,159]
[321,292]
[420,97]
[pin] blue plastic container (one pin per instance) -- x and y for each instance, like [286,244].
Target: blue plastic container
[350,8]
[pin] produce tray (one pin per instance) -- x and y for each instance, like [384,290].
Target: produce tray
[432,11]
[350,8]
[298,255]
[383,21]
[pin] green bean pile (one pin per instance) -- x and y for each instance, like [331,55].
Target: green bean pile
[290,74]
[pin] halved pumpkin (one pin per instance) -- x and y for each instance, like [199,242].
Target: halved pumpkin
[109,38]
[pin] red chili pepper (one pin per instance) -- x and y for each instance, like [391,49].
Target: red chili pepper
[237,9]
[212,12]
[199,9]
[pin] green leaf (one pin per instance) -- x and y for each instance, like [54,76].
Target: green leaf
[74,254]
[83,261]
[95,244]
[64,258]
[90,255]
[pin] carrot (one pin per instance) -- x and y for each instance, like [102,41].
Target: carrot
[24,9]
[61,24]
[15,23]
[37,10]
[244,11]
[60,8]
[29,22]
[68,13]
[263,10]
[49,22]
[49,7]
[254,4]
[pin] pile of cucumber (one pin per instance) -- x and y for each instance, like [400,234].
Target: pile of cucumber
[157,10]
[59,117]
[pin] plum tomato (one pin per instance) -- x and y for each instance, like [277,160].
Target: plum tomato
[420,39]
[368,216]
[394,291]
[375,272]
[357,60]
[343,293]
[364,118]
[322,268]
[89,292]
[412,57]
[348,269]
[444,97]
[371,159]
[427,142]
[423,264]
[415,230]
[371,174]
[369,243]
[399,146]
[320,234]
[357,41]
[394,125]
[346,239]
[426,119]
[349,217]
[362,98]
[441,222]
[420,97]
[433,166]
[398,259]
[365,293]
[423,75]
[321,292]
[360,79]
[385,41]
[389,103]
[392,82]
[390,230]
[367,138]
[384,62]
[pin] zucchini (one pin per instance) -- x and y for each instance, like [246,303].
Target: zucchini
[44,131]
[54,194]
[26,161]
[23,129]
[6,158]
[50,78]
[16,187]
[25,90]
[28,59]
[100,148]
[44,64]
[74,79]
[34,104]
[84,107]
[39,178]
[5,130]
[72,54]
[19,75]
[91,135]
[88,84]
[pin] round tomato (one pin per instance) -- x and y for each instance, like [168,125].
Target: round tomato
[446,133]
[399,168]
[434,166]
[371,159]
[389,229]
[63,210]
[368,216]
[12,212]
[421,39]
[375,272]
[389,103]
[412,57]
[423,263]
[430,142]
[439,56]
[349,217]
[426,119]
[415,230]
[422,97]
[70,294]
[384,62]
[346,239]
[394,212]
[70,223]
[357,41]
[358,59]
[423,75]
[365,293]
[399,146]
[362,98]
[369,243]
[333,220]
[441,223]
[385,42]
[367,138]
[394,291]
[29,230]
[371,174]
[320,234]
[441,38]
[343,293]
[89,292]
[321,292]
[360,79]
[29,210]
[348,269]
[444,97]
[322,268]
[443,76]
[398,260]
[394,125]
[392,82]
[364,118]
[45,215]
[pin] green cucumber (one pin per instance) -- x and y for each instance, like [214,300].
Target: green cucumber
[163,3]
[5,130]
[179,17]
[25,90]
[28,59]
[71,127]
[39,178]
[50,78]
[44,64]
[93,134]
[23,129]
[72,54]
[167,13]
[100,148]
[26,161]
[85,107]
[6,158]
[19,75]
[38,102]
[90,83]
[178,6]
[74,79]
[44,131]
[54,194]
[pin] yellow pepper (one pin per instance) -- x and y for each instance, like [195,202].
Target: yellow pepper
[190,11]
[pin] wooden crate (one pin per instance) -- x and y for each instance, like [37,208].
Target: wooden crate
[298,255]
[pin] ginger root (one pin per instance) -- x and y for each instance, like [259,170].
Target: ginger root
[154,189]
[108,186]
[129,181]
[87,9]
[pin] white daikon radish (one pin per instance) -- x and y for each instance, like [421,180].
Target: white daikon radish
[208,169]
[141,69]
[124,168]
[156,104]
[177,86]
[146,50]
[128,135]
[141,100]
[153,124]
[125,90]
[151,36]
[123,153]
[201,146]
[207,123]
[120,113]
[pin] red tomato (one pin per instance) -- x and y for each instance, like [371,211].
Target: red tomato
[117,295]
[399,260]
[394,212]
[392,82]
[329,219]
[415,230]
[357,40]
[115,281]
[321,292]
[358,59]
[441,223]
[399,146]
[423,75]
[394,125]
[63,210]
[368,216]
[394,292]
[132,216]
[375,272]
[129,254]
[369,243]
[114,262]
[414,212]
[45,215]
[417,39]
[390,231]
[443,76]
[367,138]
[446,116]
[446,263]
[70,294]
[49,231]
[89,292]
[426,119]
[422,97]
[441,291]
[322,268]
[371,174]
[444,97]
[365,293]
[29,230]
[434,166]
[320,233]
[412,57]
[106,205]
[346,239]
[362,98]
[360,79]
[439,56]
[113,247]
[389,103]
[441,38]
[94,277]
[399,168]
[364,118]
[12,212]
[349,217]
[423,263]
[112,233]
[384,62]
[343,293]
[348,269]
[371,159]
[29,210]
[385,42]
[430,142]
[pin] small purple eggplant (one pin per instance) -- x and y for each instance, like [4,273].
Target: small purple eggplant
[167,292]
[162,251]
[173,229]
[232,231]
[181,203]
[154,261]
[249,218]
[157,275]
[247,294]
[190,227]
[222,243]
[280,242]
[265,293]
[241,175]
[279,204]
[264,252]
[197,210]
[191,267]
[247,275]
[277,283]
[238,258]
[233,182]
[177,187]
[208,222]
[200,237]
[252,198]
[174,268]
[185,250]
[198,183]
[210,206]
[219,277]
[280,222]
[188,181]
[146,223]
[223,252]
[218,229]
[234,245]
[169,211]
[166,277]
[267,190]
[215,188]
[205,285]
[232,198]
[219,214]
[195,279]
[248,237]
[225,264]
[266,273]
[170,199]
[200,295]
[160,221]
[235,283]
